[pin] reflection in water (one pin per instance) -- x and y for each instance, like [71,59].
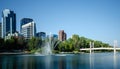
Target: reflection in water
[61,64]
[81,61]
[7,63]
[28,63]
[47,62]
[115,63]
[91,59]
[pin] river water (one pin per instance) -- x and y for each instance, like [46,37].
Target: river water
[61,61]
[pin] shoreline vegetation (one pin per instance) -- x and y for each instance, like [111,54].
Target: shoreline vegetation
[53,52]
[23,53]
[72,45]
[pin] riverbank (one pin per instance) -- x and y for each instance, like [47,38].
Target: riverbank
[70,52]
[28,52]
[17,53]
[14,53]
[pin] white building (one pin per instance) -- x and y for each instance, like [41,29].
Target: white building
[28,30]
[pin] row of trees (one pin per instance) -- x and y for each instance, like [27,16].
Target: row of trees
[72,44]
[19,44]
[76,42]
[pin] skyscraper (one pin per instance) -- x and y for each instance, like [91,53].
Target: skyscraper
[65,36]
[0,29]
[28,30]
[41,35]
[24,21]
[8,22]
[62,35]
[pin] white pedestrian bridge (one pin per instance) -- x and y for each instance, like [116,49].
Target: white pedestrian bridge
[101,48]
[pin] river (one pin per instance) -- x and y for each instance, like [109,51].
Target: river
[61,61]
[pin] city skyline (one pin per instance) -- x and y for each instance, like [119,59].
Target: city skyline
[98,20]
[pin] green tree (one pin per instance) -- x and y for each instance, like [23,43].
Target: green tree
[76,41]
[34,43]
[21,43]
[9,44]
[1,43]
[61,47]
[66,46]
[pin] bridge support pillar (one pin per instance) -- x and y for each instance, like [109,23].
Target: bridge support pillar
[93,46]
[115,44]
[90,47]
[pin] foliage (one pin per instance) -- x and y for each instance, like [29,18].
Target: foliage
[73,44]
[1,43]
[33,51]
[19,44]
[76,42]
[34,43]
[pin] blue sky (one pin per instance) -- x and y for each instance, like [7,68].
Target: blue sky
[95,19]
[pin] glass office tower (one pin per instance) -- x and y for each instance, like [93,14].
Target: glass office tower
[8,22]
[0,29]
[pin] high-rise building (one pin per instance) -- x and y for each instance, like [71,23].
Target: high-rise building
[41,35]
[28,30]
[8,22]
[54,36]
[0,29]
[65,36]
[24,21]
[62,35]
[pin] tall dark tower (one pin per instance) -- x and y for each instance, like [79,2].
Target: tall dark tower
[8,22]
[0,29]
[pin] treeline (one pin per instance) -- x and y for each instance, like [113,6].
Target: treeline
[70,45]
[19,44]
[76,42]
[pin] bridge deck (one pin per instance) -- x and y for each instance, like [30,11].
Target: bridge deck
[100,49]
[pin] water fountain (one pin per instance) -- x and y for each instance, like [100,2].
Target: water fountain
[48,46]
[46,50]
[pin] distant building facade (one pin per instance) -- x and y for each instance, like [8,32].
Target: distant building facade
[41,35]
[62,35]
[54,36]
[15,35]
[24,21]
[28,30]
[8,22]
[0,29]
